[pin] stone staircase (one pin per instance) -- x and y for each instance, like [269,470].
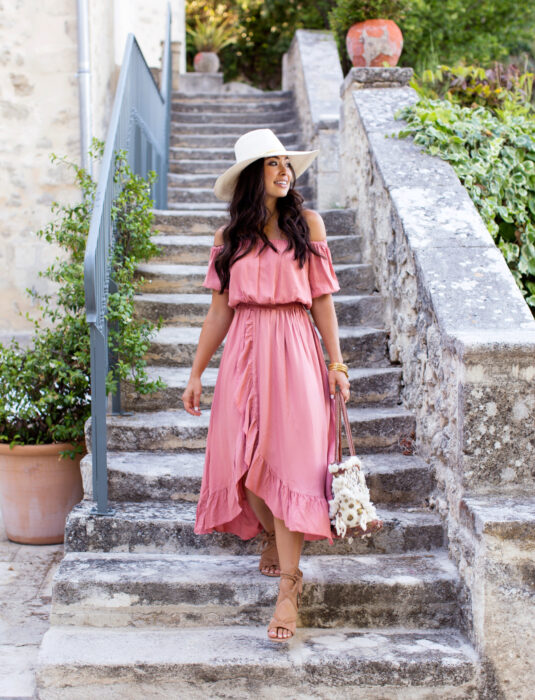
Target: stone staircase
[144,608]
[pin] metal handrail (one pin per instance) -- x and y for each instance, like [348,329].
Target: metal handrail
[139,124]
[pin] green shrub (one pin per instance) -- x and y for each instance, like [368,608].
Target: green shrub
[45,388]
[501,88]
[448,31]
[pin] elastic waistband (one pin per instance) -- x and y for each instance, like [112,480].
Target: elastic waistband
[286,305]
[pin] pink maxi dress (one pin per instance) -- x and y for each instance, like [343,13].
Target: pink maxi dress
[272,418]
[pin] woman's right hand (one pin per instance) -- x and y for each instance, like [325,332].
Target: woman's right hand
[192,396]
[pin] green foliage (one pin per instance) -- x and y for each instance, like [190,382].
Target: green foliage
[434,31]
[345,13]
[212,33]
[264,31]
[493,154]
[45,389]
[448,31]
[502,88]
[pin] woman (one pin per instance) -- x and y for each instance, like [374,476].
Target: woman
[271,434]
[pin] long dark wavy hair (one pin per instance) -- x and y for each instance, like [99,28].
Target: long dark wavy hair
[249,215]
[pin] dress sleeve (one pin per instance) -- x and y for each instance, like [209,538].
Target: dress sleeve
[211,280]
[321,275]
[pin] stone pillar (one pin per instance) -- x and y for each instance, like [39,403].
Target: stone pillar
[311,69]
[359,79]
[176,48]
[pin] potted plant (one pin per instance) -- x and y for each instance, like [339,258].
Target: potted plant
[209,35]
[368,30]
[45,388]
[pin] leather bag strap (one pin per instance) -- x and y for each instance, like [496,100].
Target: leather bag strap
[341,411]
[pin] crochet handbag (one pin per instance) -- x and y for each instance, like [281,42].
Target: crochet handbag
[351,512]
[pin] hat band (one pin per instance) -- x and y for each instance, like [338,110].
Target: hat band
[274,150]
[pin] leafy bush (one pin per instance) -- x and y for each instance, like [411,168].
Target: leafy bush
[447,31]
[212,33]
[493,154]
[501,88]
[45,389]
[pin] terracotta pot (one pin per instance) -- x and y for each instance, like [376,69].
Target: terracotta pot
[206,62]
[37,491]
[374,41]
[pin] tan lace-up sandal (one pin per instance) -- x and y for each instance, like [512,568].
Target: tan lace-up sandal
[269,556]
[288,603]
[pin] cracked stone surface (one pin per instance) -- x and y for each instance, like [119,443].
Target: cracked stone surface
[26,573]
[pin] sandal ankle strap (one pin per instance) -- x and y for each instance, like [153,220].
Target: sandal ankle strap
[294,577]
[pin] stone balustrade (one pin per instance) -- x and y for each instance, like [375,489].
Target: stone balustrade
[465,338]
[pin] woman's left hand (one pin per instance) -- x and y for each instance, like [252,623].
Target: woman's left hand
[337,377]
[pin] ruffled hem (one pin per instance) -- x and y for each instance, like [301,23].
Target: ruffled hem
[227,509]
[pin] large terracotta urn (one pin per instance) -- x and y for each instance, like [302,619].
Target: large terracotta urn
[374,41]
[38,488]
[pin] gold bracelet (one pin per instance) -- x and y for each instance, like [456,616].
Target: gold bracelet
[340,367]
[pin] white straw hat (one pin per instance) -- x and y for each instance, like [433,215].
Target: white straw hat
[259,143]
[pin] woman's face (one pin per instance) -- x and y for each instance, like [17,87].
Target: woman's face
[278,176]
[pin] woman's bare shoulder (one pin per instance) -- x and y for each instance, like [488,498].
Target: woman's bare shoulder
[218,236]
[315,224]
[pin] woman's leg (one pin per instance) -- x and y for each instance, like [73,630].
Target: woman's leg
[289,546]
[265,516]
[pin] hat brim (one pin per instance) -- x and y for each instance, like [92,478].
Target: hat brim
[225,183]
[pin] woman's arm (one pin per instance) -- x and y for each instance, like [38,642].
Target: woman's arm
[214,329]
[324,314]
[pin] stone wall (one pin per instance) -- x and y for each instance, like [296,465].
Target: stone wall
[465,338]
[311,69]
[39,115]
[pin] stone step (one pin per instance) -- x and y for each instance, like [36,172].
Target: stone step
[206,194]
[168,221]
[226,140]
[170,476]
[208,180]
[202,206]
[204,165]
[176,345]
[173,590]
[160,278]
[240,662]
[229,105]
[191,309]
[221,116]
[234,128]
[338,222]
[265,96]
[185,249]
[179,153]
[168,527]
[377,429]
[370,386]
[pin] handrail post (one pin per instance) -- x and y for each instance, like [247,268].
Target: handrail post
[99,350]
[112,363]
